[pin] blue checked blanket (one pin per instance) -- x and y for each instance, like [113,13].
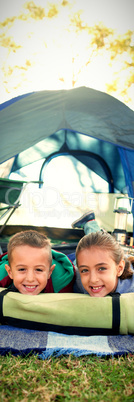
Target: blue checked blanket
[20,341]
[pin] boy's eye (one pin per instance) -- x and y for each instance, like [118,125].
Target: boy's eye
[21,269]
[39,269]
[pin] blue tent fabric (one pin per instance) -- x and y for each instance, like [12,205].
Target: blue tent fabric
[39,124]
[30,118]
[23,341]
[127,158]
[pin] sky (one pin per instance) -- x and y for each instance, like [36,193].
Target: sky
[115,14]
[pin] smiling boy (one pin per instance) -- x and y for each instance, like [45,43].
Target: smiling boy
[30,268]
[30,263]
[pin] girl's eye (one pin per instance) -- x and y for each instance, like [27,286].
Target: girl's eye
[102,269]
[84,270]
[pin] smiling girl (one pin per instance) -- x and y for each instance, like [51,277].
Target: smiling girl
[101,266]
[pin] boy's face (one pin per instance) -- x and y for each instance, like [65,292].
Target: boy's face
[99,273]
[30,269]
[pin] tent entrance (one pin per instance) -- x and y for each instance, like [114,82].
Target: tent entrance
[95,165]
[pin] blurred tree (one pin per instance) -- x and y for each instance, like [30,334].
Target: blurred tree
[50,44]
[120,49]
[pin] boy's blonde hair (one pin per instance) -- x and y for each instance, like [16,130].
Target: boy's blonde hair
[106,242]
[31,238]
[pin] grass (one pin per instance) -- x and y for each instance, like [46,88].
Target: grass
[87,378]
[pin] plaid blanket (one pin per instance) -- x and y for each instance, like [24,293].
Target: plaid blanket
[20,341]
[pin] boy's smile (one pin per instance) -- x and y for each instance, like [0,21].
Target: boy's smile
[30,269]
[98,271]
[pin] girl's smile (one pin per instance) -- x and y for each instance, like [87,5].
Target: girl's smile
[98,271]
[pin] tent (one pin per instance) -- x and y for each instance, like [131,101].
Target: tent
[95,129]
[92,126]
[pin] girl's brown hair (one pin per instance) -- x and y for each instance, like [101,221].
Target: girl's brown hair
[106,242]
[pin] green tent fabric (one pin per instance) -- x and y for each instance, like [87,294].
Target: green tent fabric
[3,272]
[10,191]
[64,269]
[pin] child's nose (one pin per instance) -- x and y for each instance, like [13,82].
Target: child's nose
[93,276]
[30,275]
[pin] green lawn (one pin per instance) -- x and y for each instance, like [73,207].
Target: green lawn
[87,378]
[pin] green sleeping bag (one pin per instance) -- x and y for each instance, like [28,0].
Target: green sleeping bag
[69,313]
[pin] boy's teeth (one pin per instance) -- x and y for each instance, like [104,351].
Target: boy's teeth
[28,286]
[96,287]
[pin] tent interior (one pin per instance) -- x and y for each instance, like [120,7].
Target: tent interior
[73,151]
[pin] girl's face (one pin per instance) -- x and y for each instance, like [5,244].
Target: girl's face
[98,271]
